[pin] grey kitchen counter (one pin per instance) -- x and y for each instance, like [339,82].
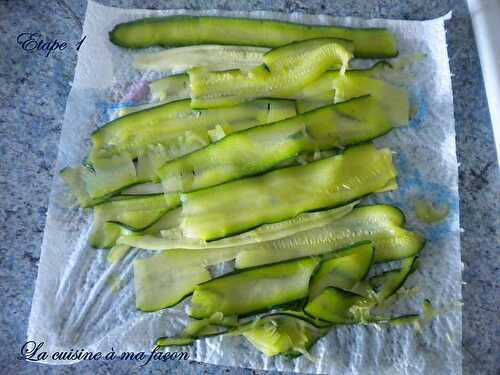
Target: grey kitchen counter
[33,92]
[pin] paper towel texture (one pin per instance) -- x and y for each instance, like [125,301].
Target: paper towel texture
[76,306]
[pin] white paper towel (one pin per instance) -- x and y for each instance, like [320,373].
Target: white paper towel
[74,305]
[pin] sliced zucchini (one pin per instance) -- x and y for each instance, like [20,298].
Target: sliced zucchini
[262,148]
[117,253]
[380,224]
[282,334]
[163,280]
[170,88]
[96,183]
[389,282]
[108,175]
[174,341]
[143,189]
[253,290]
[334,87]
[213,57]
[282,194]
[287,70]
[345,269]
[127,110]
[334,305]
[73,178]
[189,30]
[136,212]
[172,239]
[167,125]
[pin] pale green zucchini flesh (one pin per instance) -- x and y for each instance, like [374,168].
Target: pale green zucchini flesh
[380,224]
[136,212]
[212,57]
[334,305]
[282,194]
[282,334]
[344,270]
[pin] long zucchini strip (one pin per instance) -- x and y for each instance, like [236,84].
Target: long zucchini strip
[189,30]
[212,57]
[266,232]
[262,148]
[381,224]
[278,195]
[132,134]
[249,291]
[286,70]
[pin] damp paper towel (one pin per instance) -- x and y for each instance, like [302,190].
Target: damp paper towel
[77,305]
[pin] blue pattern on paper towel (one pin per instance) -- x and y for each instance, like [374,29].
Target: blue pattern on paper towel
[410,188]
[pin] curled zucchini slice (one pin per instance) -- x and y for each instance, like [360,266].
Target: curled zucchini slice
[286,70]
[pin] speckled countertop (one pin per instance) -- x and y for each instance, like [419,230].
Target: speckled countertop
[33,91]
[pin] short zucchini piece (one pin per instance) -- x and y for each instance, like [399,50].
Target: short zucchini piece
[286,70]
[334,305]
[345,269]
[157,290]
[380,224]
[284,334]
[282,194]
[189,30]
[389,282]
[163,280]
[132,211]
[254,290]
[96,183]
[167,125]
[212,57]
[73,179]
[262,148]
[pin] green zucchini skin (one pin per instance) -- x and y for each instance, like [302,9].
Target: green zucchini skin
[164,124]
[347,268]
[188,30]
[391,281]
[261,148]
[253,290]
[284,193]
